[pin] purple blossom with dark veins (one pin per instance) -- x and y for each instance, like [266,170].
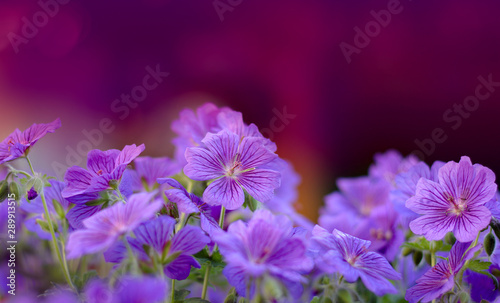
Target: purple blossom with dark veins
[391,163]
[235,165]
[102,168]
[267,245]
[455,203]
[189,203]
[349,256]
[148,169]
[441,278]
[18,143]
[159,235]
[104,228]
[494,206]
[406,187]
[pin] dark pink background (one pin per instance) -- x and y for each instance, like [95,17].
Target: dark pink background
[264,55]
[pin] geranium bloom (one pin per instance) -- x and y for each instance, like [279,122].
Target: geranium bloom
[389,164]
[265,246]
[18,143]
[104,228]
[235,164]
[355,202]
[441,278]
[454,203]
[189,203]
[349,256]
[159,235]
[102,168]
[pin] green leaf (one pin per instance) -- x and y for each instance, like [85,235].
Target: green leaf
[421,244]
[478,266]
[181,294]
[43,224]
[81,281]
[315,299]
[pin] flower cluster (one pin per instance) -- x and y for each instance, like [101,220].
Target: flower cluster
[216,223]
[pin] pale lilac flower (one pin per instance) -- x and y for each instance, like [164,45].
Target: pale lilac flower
[103,229]
[18,143]
[454,203]
[389,164]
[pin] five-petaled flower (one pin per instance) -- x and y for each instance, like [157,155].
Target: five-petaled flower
[455,203]
[234,164]
[349,256]
[18,143]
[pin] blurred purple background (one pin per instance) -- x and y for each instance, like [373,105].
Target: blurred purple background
[259,57]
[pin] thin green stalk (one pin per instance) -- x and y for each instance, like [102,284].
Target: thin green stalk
[172,294]
[461,272]
[205,281]
[62,261]
[207,271]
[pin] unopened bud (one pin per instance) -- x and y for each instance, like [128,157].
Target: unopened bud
[417,257]
[3,190]
[14,189]
[489,243]
[406,251]
[32,194]
[450,238]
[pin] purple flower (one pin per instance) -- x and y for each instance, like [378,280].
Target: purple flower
[267,245]
[349,256]
[481,286]
[159,235]
[148,169]
[441,278]
[103,168]
[104,228]
[189,203]
[455,203]
[382,229]
[406,187]
[192,127]
[355,202]
[18,143]
[494,206]
[235,164]
[390,164]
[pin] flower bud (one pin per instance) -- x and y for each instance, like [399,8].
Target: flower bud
[417,257]
[450,238]
[14,189]
[3,190]
[32,194]
[489,243]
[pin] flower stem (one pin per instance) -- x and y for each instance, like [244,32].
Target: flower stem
[62,261]
[462,270]
[207,271]
[172,294]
